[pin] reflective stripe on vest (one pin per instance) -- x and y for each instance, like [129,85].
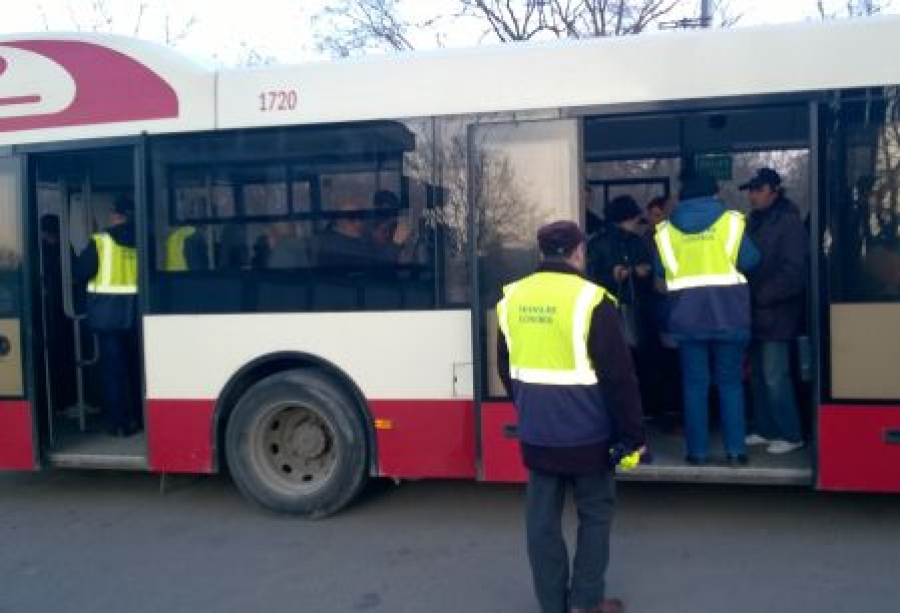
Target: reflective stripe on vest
[702,259]
[539,312]
[175,260]
[116,267]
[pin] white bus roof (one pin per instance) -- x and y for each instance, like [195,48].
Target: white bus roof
[67,86]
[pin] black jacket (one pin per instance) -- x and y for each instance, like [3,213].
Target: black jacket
[778,284]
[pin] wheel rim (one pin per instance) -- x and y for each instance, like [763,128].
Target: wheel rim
[297,447]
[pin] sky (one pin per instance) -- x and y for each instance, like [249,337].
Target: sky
[225,31]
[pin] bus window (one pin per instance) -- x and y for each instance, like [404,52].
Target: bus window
[300,219]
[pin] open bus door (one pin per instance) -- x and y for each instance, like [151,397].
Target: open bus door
[522,175]
[73,193]
[18,431]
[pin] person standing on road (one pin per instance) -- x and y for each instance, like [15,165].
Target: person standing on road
[777,292]
[563,357]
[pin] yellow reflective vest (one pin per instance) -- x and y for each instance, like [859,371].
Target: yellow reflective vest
[175,260]
[545,320]
[116,267]
[708,296]
[702,259]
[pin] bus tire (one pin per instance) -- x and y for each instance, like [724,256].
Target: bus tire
[295,443]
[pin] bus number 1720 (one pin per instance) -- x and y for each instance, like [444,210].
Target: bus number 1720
[278,100]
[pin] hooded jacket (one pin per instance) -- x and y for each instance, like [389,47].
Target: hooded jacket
[693,216]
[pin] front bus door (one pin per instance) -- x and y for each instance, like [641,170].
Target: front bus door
[18,450]
[73,192]
[521,176]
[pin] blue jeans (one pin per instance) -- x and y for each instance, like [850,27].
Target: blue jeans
[727,368]
[775,413]
[547,553]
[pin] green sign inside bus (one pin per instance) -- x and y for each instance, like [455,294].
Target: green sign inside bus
[719,167]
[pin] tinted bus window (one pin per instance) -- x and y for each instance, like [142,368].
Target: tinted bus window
[862,232]
[305,219]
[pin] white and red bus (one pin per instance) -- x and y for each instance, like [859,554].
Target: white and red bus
[306,375]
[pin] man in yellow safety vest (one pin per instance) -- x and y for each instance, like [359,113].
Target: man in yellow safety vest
[703,254]
[563,357]
[109,266]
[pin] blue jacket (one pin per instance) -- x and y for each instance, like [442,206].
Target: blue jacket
[693,216]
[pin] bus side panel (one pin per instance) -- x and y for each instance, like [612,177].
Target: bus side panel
[180,435]
[500,453]
[425,438]
[859,448]
[16,436]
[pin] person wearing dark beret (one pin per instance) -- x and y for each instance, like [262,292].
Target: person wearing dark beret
[563,358]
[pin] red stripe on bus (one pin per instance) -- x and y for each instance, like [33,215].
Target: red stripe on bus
[501,455]
[11,100]
[180,435]
[859,448]
[16,435]
[425,438]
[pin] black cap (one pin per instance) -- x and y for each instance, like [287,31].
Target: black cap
[697,186]
[764,176]
[559,238]
[621,208]
[123,205]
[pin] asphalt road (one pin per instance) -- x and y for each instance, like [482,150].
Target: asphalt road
[90,542]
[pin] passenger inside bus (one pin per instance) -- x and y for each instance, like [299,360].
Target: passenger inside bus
[59,334]
[287,248]
[778,293]
[186,249]
[390,237]
[663,365]
[710,311]
[344,243]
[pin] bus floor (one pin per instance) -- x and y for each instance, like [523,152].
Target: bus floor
[668,464]
[94,448]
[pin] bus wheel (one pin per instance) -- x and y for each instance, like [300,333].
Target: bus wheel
[295,444]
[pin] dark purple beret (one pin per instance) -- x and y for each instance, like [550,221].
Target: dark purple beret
[559,237]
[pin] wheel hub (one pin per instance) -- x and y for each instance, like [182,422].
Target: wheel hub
[307,441]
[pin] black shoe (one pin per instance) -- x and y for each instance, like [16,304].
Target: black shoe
[736,459]
[695,461]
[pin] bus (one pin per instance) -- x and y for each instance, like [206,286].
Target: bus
[305,372]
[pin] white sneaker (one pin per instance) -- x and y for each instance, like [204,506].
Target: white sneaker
[755,439]
[779,447]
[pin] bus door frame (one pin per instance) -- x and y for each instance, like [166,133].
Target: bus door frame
[136,146]
[497,455]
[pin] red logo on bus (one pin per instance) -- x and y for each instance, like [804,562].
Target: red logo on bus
[52,83]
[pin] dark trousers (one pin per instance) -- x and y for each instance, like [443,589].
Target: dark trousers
[595,500]
[120,377]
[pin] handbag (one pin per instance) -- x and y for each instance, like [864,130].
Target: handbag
[631,325]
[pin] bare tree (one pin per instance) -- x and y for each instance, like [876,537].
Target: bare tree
[100,17]
[345,27]
[351,26]
[851,8]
